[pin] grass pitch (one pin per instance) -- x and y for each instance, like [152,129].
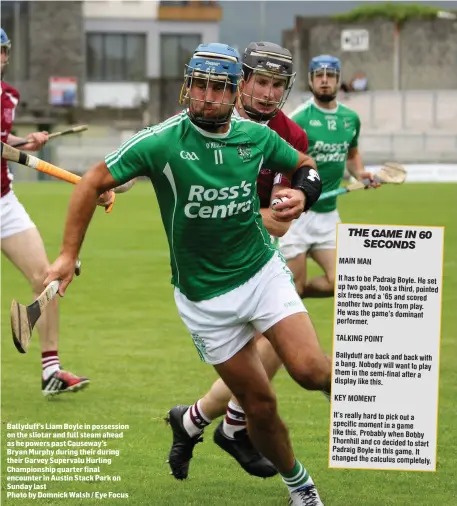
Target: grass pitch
[119,326]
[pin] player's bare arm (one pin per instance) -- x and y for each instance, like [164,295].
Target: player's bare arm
[356,168]
[107,198]
[36,140]
[83,202]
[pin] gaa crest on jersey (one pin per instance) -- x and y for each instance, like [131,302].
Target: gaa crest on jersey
[244,151]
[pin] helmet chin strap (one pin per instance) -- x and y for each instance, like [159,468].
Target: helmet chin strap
[211,125]
[259,116]
[253,113]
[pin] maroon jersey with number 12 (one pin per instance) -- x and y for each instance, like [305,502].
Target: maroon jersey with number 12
[297,138]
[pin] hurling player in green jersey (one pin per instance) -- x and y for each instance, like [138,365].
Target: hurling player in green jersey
[333,133]
[229,280]
[268,76]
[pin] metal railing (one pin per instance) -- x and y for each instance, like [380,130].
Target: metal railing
[409,147]
[375,147]
[409,127]
[418,111]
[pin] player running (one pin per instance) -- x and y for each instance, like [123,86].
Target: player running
[22,244]
[333,132]
[229,279]
[268,78]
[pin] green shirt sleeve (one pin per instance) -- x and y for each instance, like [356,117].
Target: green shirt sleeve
[279,155]
[138,156]
[355,139]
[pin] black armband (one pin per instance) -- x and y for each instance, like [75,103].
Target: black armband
[307,179]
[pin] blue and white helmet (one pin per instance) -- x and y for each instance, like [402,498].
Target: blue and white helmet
[213,62]
[325,62]
[330,66]
[5,40]
[6,45]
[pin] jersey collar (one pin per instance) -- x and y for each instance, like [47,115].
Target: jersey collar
[326,111]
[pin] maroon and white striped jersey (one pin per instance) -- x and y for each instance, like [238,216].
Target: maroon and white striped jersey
[297,138]
[10,99]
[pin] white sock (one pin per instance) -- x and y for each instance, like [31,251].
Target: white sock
[195,420]
[234,421]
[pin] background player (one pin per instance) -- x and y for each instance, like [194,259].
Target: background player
[204,166]
[22,244]
[264,93]
[333,132]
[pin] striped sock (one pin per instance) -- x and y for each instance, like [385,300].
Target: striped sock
[195,420]
[234,421]
[297,478]
[49,363]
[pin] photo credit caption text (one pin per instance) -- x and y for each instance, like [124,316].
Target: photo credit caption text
[40,457]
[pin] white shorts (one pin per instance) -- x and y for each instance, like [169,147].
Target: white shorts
[221,326]
[14,218]
[312,231]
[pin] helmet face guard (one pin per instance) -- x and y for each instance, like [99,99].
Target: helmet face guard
[329,67]
[268,64]
[214,71]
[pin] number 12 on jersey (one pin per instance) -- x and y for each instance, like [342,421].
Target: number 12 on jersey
[218,157]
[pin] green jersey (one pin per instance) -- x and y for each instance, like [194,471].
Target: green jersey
[331,134]
[206,189]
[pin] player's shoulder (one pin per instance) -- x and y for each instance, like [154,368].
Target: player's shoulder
[288,130]
[246,126]
[164,133]
[344,110]
[168,127]
[10,90]
[302,110]
[281,121]
[172,123]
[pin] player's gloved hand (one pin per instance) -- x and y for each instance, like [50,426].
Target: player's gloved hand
[106,199]
[36,141]
[292,207]
[63,269]
[371,177]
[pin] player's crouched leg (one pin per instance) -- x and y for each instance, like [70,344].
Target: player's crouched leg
[283,319]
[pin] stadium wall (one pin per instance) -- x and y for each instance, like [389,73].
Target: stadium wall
[427,51]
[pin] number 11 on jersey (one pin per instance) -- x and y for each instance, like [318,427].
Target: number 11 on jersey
[218,157]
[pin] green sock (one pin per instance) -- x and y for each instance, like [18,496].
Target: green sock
[297,477]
